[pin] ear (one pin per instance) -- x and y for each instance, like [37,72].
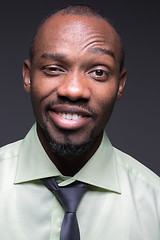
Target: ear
[122,81]
[27,75]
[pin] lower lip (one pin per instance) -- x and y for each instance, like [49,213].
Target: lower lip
[68,124]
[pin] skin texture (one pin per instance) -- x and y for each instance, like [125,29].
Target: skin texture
[76,70]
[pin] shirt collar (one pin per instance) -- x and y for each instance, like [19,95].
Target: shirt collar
[34,163]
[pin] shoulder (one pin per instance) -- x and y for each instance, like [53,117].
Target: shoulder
[137,169]
[10,150]
[8,162]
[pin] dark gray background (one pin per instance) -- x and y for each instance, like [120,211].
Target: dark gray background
[134,126]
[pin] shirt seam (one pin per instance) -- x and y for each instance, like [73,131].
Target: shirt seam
[130,171]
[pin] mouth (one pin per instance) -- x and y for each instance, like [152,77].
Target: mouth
[69,117]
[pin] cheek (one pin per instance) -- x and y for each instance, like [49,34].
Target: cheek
[106,95]
[39,90]
[42,86]
[40,94]
[104,102]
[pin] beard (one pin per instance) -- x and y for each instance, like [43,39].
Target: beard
[69,150]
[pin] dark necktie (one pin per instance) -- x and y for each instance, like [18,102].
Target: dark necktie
[69,196]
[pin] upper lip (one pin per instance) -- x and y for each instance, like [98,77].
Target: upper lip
[72,110]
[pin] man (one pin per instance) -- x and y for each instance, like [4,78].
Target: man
[74,76]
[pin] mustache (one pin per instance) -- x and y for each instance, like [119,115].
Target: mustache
[79,103]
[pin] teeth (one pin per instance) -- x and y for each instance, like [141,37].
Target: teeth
[70,116]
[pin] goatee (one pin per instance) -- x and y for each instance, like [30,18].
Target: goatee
[69,150]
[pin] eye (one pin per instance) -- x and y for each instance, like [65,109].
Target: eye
[52,70]
[99,74]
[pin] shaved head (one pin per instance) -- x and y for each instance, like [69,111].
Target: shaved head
[79,10]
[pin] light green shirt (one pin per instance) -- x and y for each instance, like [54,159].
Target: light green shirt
[122,202]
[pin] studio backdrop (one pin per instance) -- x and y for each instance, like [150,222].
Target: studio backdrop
[135,124]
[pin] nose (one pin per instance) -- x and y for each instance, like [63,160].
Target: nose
[74,87]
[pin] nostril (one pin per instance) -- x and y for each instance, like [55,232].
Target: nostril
[74,91]
[68,100]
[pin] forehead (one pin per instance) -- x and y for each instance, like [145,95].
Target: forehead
[76,32]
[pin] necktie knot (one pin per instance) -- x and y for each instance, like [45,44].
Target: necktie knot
[70,197]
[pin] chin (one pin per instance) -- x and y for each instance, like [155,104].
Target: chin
[70,148]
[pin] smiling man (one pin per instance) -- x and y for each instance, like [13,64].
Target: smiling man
[74,75]
[74,79]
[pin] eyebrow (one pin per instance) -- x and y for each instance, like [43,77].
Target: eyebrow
[102,51]
[58,56]
[53,56]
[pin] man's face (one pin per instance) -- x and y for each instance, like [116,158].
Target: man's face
[74,79]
